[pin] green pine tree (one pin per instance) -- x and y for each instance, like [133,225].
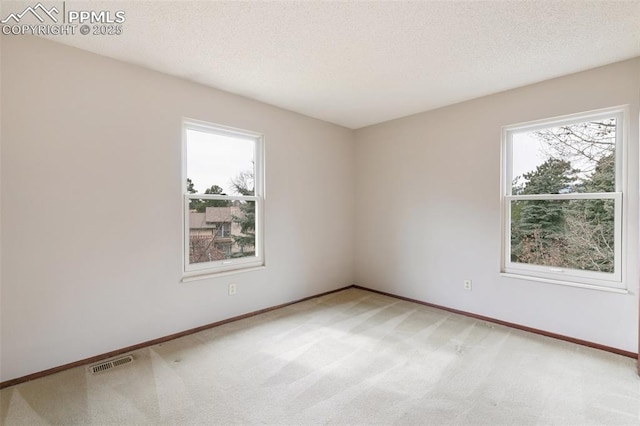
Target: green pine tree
[213,190]
[537,225]
[244,184]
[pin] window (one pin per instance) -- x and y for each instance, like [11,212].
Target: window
[223,198]
[562,199]
[224,229]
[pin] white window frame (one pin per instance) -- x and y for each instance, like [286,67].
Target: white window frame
[574,277]
[206,269]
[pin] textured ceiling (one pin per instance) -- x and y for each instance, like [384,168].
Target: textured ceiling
[358,63]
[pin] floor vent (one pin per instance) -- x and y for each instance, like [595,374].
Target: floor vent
[108,365]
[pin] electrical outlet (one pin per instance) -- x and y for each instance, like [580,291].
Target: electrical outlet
[467,285]
[232,289]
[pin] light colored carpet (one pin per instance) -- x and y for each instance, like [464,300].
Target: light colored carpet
[352,357]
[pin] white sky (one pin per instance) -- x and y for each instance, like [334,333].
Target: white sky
[215,160]
[528,153]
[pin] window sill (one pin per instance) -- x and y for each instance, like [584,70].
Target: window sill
[212,274]
[565,283]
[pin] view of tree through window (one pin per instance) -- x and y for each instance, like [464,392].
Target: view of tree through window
[222,229]
[562,199]
[221,213]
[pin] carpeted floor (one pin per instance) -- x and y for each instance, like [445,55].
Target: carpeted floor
[352,357]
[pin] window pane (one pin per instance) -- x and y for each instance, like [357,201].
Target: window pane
[576,234]
[578,157]
[216,164]
[222,231]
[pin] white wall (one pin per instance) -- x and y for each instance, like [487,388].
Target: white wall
[428,208]
[91,197]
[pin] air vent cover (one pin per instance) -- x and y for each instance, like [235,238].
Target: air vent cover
[107,365]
